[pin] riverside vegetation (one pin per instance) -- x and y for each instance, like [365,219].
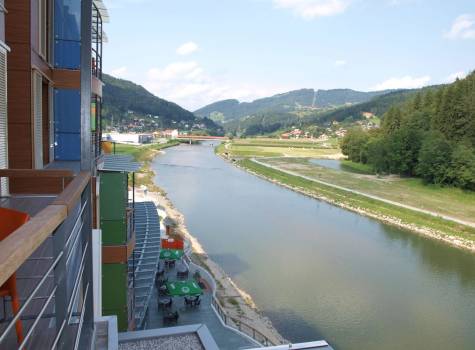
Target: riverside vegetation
[432,136]
[358,177]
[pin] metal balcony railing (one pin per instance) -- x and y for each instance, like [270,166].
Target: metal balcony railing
[98,38]
[52,257]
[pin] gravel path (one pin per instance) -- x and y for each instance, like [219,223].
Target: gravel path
[182,342]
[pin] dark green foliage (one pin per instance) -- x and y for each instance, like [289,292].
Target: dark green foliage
[463,166]
[392,121]
[434,159]
[262,124]
[353,145]
[431,136]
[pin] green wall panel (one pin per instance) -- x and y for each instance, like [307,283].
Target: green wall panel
[114,286]
[122,321]
[114,232]
[113,195]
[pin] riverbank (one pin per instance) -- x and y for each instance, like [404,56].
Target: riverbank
[237,304]
[436,228]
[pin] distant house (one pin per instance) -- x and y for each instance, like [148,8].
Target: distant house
[341,132]
[170,133]
[296,133]
[145,138]
[367,115]
[285,136]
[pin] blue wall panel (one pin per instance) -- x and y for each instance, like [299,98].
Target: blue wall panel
[67,19]
[67,34]
[67,54]
[67,124]
[68,146]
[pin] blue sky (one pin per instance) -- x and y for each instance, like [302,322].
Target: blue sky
[194,52]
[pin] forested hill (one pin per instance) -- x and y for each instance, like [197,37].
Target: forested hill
[121,96]
[287,102]
[378,106]
[431,136]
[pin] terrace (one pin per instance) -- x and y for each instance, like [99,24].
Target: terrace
[51,257]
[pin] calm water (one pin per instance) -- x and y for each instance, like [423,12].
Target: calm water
[319,271]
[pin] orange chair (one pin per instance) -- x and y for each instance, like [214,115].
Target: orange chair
[10,220]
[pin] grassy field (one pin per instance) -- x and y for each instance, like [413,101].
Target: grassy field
[260,147]
[411,191]
[144,154]
[356,201]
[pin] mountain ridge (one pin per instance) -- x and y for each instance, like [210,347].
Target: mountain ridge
[231,109]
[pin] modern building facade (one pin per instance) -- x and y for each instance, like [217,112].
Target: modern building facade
[50,131]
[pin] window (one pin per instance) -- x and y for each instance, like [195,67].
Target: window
[37,88]
[3,120]
[43,28]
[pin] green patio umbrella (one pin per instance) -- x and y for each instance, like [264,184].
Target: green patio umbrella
[183,288]
[171,254]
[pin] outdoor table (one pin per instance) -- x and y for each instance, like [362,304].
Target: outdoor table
[170,317]
[171,254]
[183,288]
[193,302]
[164,301]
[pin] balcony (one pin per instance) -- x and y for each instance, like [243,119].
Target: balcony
[51,256]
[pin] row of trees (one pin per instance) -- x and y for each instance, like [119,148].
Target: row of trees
[431,136]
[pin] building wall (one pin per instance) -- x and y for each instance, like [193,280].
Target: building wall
[17,32]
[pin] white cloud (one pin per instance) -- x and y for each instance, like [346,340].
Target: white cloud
[462,28]
[457,75]
[172,71]
[340,63]
[187,48]
[188,84]
[310,9]
[407,82]
[120,72]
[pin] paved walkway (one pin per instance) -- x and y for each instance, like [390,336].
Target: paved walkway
[397,204]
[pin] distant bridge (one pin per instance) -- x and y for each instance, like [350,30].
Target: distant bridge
[201,138]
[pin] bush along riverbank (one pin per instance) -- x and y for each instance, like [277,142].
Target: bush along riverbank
[434,227]
[236,303]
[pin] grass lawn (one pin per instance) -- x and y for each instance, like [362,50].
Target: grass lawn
[294,143]
[246,148]
[357,201]
[411,191]
[358,168]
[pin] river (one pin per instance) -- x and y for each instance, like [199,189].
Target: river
[318,271]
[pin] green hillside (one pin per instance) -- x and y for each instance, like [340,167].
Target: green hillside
[378,106]
[298,100]
[124,100]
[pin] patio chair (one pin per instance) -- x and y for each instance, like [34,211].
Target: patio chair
[10,220]
[162,291]
[171,318]
[188,301]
